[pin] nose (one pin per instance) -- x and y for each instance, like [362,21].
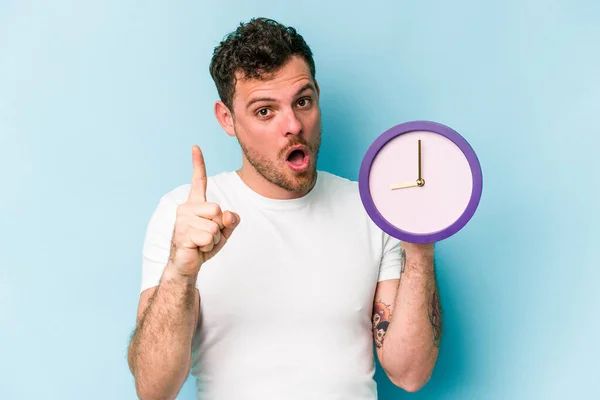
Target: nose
[291,123]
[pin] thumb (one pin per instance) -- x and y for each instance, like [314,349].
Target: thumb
[230,220]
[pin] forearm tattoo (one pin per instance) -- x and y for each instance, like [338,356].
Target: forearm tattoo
[381,321]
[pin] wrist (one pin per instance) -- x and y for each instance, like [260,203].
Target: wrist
[173,274]
[418,257]
[419,250]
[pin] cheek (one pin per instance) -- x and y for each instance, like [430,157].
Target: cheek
[255,134]
[312,119]
[260,140]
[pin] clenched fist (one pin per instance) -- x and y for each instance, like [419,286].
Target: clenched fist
[201,228]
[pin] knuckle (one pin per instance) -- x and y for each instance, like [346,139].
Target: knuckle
[215,209]
[208,246]
[188,243]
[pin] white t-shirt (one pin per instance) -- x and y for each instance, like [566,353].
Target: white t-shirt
[285,309]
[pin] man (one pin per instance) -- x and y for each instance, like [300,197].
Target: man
[262,282]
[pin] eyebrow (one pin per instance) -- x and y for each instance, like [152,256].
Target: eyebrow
[302,89]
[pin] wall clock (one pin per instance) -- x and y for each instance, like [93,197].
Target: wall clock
[420,182]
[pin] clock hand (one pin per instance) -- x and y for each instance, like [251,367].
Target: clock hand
[403,185]
[420,181]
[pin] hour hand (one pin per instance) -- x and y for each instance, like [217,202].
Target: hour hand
[403,185]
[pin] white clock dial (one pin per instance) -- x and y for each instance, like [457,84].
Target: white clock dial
[435,205]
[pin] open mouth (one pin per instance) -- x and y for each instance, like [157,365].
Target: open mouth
[298,159]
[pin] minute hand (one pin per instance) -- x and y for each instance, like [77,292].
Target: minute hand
[403,185]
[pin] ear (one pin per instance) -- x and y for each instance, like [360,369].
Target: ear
[225,117]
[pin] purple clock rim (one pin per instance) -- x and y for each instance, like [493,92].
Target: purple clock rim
[461,143]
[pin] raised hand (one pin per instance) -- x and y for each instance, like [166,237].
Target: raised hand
[201,228]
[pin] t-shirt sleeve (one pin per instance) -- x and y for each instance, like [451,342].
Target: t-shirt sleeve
[390,265]
[157,242]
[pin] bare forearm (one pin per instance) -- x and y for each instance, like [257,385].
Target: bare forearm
[160,349]
[412,340]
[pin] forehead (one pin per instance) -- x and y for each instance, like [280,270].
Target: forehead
[279,84]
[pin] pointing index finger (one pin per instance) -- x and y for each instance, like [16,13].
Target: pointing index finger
[198,190]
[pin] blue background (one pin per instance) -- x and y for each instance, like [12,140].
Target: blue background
[100,103]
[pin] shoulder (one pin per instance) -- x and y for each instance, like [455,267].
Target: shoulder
[339,189]
[333,183]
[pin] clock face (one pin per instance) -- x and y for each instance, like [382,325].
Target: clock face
[420,182]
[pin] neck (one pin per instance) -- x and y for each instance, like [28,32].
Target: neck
[259,184]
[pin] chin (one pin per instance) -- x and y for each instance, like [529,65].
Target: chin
[302,181]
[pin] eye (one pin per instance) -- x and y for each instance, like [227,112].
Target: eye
[263,112]
[304,102]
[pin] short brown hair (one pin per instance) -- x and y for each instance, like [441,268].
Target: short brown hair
[256,48]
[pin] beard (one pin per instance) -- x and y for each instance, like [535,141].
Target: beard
[278,173]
